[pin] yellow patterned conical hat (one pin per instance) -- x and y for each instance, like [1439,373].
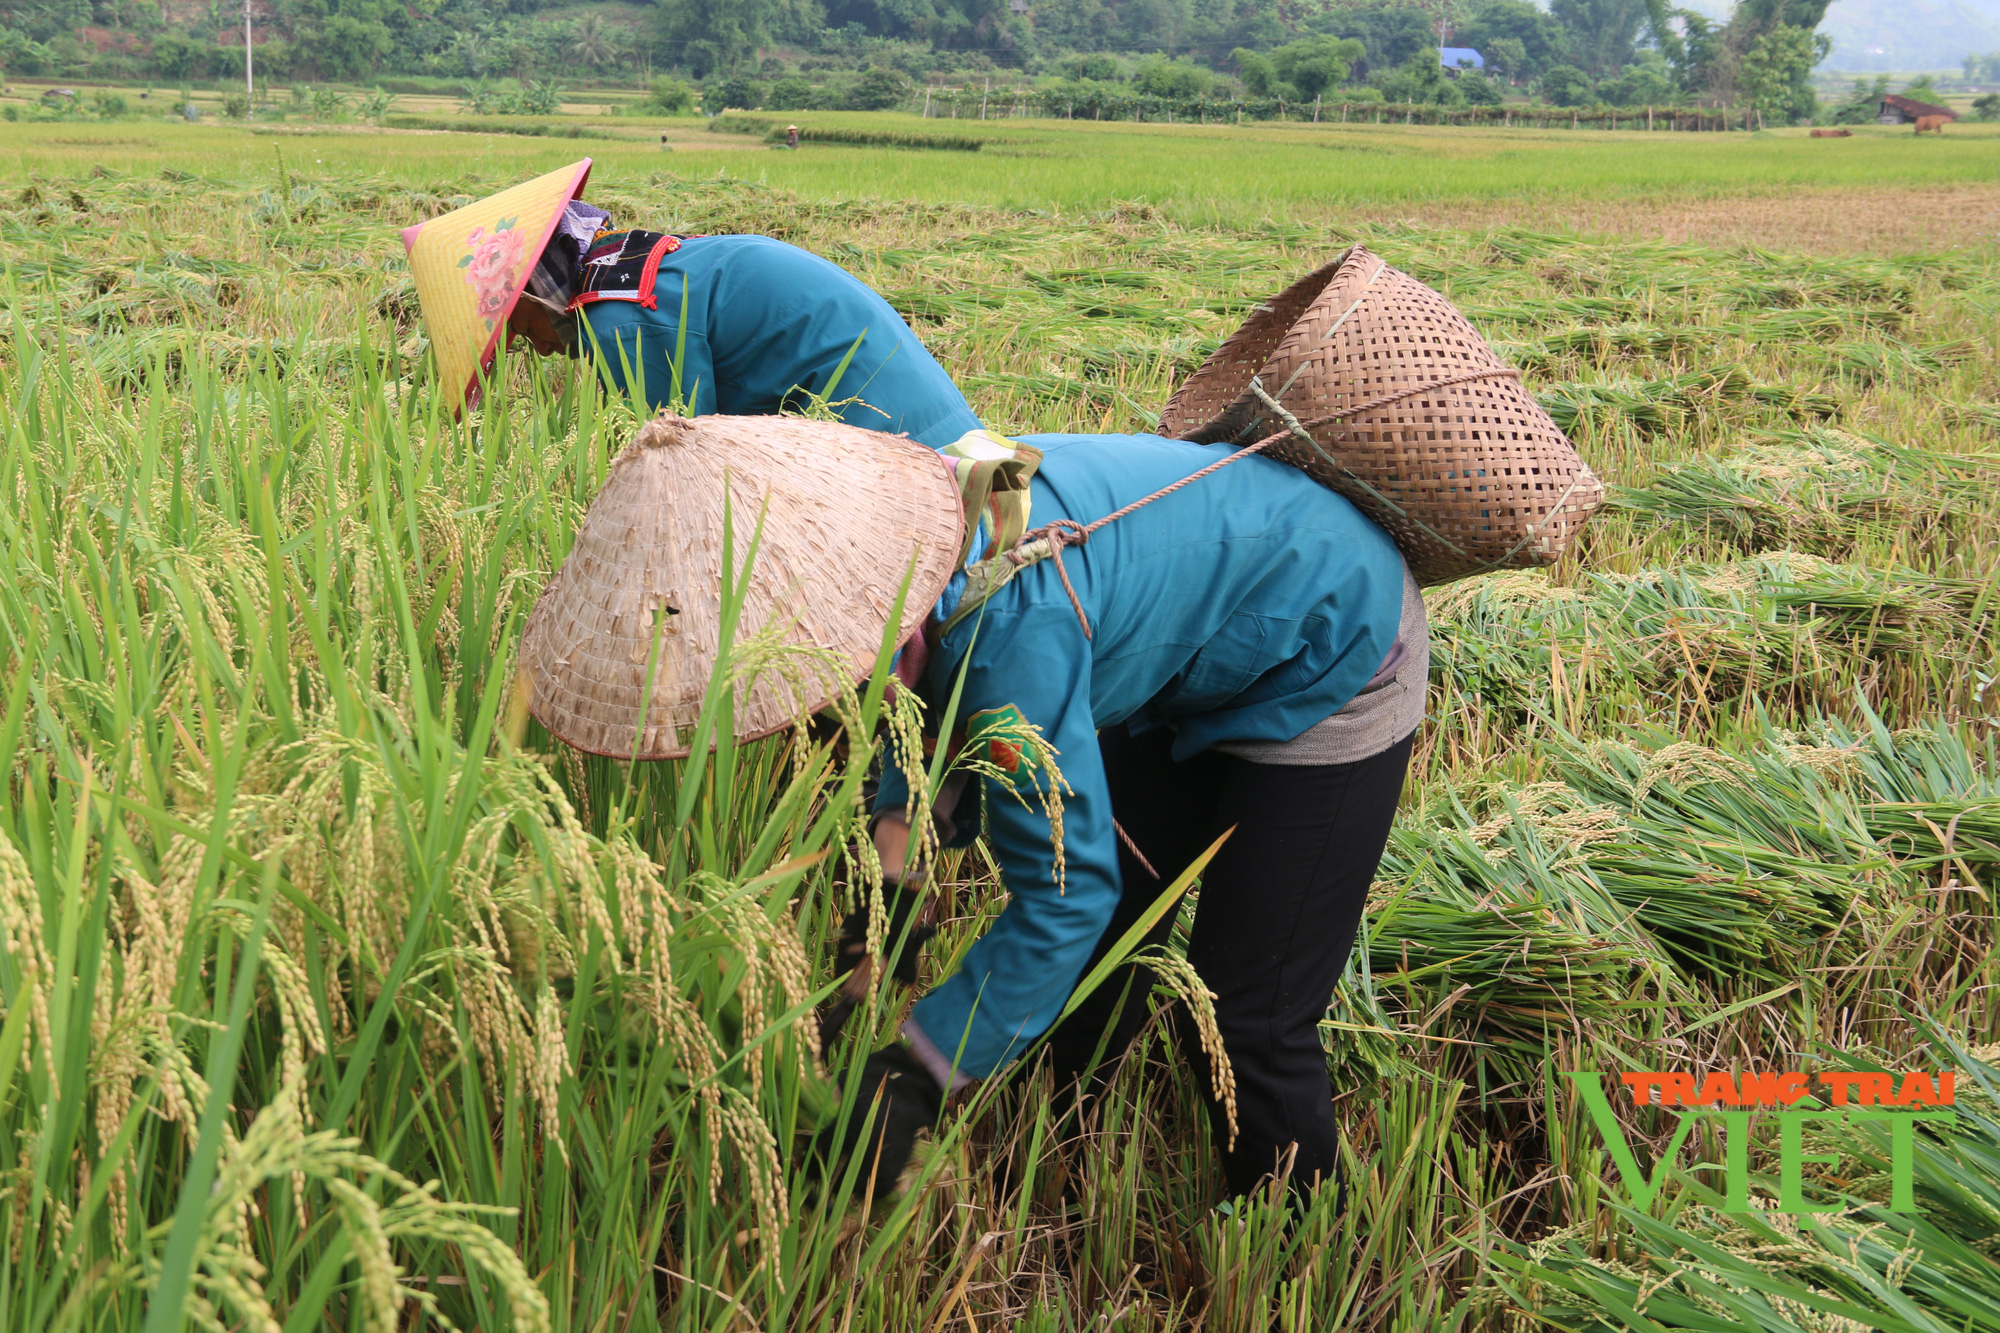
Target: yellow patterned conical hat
[472,264]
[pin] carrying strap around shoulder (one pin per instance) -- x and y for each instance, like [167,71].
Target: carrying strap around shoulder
[992,473]
[1047,542]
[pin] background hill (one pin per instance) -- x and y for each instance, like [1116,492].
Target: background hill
[1909,34]
[1901,35]
[519,55]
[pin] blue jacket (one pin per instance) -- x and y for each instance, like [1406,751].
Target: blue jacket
[765,319]
[1247,606]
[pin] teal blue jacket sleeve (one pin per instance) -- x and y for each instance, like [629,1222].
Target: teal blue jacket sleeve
[637,350]
[769,324]
[1013,982]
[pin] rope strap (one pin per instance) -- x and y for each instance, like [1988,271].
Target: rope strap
[1133,848]
[1047,541]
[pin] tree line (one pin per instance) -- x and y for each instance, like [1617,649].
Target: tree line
[823,52]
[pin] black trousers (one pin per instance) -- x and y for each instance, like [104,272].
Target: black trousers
[1280,905]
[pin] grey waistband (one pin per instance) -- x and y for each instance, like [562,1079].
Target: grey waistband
[1375,719]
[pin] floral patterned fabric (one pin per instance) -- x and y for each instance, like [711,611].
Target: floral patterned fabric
[492,264]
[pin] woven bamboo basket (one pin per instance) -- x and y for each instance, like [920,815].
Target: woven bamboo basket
[846,513]
[1385,392]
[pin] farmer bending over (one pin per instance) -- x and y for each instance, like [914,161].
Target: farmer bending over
[768,325]
[1248,652]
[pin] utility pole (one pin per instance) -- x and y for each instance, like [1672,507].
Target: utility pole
[249,79]
[1444,16]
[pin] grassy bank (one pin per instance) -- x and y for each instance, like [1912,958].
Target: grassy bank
[291,926]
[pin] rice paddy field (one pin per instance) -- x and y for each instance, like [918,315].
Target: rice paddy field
[338,998]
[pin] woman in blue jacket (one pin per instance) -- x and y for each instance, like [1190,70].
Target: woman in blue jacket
[1248,652]
[767,326]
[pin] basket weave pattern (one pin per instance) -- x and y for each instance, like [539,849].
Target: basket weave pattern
[1389,396]
[1225,377]
[846,513]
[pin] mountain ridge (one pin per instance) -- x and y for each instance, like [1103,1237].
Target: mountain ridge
[1909,34]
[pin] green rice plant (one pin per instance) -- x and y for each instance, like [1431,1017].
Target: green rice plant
[441,924]
[954,143]
[1717,788]
[525,124]
[1651,408]
[1557,310]
[921,304]
[1875,362]
[1651,871]
[1794,326]
[1786,633]
[1518,967]
[1816,491]
[1858,1266]
[1983,416]
[1602,344]
[1803,281]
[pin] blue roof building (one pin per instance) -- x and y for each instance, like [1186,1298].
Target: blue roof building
[1455,58]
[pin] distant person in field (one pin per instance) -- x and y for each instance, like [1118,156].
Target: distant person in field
[768,326]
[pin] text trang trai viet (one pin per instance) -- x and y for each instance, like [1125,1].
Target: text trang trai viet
[1899,1103]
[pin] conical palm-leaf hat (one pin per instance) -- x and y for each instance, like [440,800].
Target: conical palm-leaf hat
[847,514]
[471,265]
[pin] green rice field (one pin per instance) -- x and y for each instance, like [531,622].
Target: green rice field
[337,998]
[1197,174]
